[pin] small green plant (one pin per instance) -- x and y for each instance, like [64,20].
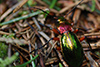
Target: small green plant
[3,47]
[7,61]
[3,50]
[23,65]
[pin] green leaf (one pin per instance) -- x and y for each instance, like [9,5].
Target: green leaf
[28,62]
[93,5]
[53,3]
[60,65]
[20,18]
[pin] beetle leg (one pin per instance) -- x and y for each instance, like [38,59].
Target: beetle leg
[76,30]
[92,37]
[43,45]
[55,30]
[55,38]
[58,46]
[83,38]
[88,43]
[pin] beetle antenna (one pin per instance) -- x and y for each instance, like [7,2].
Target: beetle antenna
[74,7]
[38,9]
[41,10]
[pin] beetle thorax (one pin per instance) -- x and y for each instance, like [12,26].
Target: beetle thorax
[64,28]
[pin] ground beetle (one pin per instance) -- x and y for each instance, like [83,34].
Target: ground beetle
[70,45]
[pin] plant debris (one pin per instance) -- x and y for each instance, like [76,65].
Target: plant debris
[23,29]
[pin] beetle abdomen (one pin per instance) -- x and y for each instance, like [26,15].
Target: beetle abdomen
[71,49]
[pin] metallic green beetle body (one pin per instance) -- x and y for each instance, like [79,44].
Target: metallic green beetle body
[71,49]
[70,45]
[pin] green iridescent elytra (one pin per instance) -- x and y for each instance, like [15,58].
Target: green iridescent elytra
[72,49]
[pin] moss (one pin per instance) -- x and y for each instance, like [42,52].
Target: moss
[3,50]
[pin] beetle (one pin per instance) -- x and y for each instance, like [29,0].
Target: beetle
[71,47]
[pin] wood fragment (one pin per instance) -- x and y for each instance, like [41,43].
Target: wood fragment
[76,15]
[51,61]
[70,6]
[8,11]
[12,41]
[20,5]
[91,60]
[97,3]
